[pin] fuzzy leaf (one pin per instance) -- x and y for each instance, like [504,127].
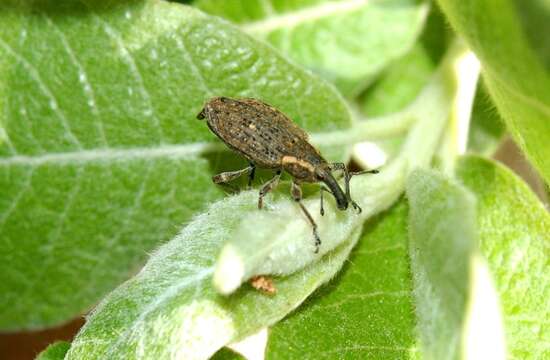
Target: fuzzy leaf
[514,237]
[171,310]
[442,232]
[347,42]
[512,44]
[369,304]
[101,156]
[400,83]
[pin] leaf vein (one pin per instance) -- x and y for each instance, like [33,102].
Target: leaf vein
[49,253]
[309,14]
[127,55]
[124,226]
[194,68]
[33,72]
[83,79]
[13,205]
[114,154]
[350,297]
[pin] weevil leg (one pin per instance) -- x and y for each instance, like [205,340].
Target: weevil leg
[251,174]
[322,190]
[347,177]
[227,176]
[296,192]
[267,187]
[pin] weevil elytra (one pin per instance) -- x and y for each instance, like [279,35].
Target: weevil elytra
[268,139]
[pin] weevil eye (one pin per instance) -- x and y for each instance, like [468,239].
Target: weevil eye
[201,115]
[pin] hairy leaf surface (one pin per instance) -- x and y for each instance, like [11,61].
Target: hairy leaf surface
[171,309]
[514,237]
[443,235]
[369,303]
[348,42]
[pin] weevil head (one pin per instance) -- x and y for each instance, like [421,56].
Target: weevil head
[202,114]
[211,105]
[324,174]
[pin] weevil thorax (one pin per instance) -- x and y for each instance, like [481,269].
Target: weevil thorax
[300,169]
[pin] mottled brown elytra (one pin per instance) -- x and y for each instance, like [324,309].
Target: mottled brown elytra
[268,139]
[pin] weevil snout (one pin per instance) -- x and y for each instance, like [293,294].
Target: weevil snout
[342,203]
[341,200]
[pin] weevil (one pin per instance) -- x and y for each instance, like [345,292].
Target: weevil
[268,139]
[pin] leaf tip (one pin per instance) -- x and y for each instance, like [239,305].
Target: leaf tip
[229,272]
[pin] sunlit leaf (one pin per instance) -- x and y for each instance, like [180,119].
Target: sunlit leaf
[443,235]
[348,42]
[514,234]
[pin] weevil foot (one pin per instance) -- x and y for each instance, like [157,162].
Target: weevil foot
[317,241]
[356,207]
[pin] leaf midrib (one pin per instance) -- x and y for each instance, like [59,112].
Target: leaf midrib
[178,151]
[308,14]
[113,154]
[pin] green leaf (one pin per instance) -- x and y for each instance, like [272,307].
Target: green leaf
[400,83]
[347,42]
[170,309]
[442,233]
[514,234]
[371,302]
[510,38]
[101,157]
[55,351]
[367,311]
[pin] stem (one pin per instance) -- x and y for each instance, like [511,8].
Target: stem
[466,68]
[431,109]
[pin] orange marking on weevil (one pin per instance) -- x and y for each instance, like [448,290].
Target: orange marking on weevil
[294,160]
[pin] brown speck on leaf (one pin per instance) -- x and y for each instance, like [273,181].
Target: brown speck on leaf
[264,284]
